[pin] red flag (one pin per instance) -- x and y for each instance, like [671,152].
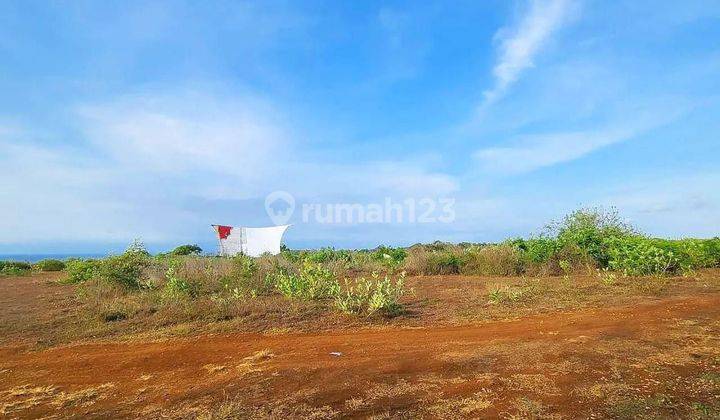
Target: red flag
[224,231]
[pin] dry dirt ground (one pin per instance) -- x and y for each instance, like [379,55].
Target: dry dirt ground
[644,354]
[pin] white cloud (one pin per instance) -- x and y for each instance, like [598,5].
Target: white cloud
[533,151]
[180,133]
[676,206]
[162,166]
[537,151]
[519,44]
[409,178]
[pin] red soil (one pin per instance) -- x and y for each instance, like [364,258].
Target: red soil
[150,378]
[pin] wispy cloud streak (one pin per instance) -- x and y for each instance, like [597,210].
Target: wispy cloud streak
[519,44]
[534,151]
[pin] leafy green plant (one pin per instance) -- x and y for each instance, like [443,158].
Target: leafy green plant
[186,250]
[536,250]
[49,265]
[372,296]
[443,262]
[126,269]
[564,266]
[80,271]
[176,286]
[14,268]
[251,277]
[324,255]
[590,229]
[640,256]
[505,294]
[607,277]
[390,256]
[354,299]
[314,282]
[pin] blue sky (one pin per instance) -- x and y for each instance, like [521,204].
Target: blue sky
[122,120]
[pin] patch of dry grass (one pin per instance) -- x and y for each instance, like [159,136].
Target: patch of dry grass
[83,397]
[25,397]
[531,382]
[529,409]
[462,407]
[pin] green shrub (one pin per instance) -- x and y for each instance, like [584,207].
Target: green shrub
[391,256]
[14,268]
[419,260]
[537,250]
[314,282]
[186,250]
[80,271]
[712,247]
[177,286]
[444,262]
[372,296]
[324,255]
[693,253]
[126,269]
[437,246]
[590,229]
[243,266]
[50,265]
[251,277]
[640,256]
[494,260]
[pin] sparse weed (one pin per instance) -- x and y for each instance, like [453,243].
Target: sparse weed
[177,287]
[314,282]
[606,277]
[505,294]
[372,296]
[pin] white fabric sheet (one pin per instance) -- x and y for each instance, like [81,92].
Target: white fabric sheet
[251,241]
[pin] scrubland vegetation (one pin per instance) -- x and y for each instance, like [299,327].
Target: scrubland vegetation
[20,268]
[184,286]
[564,297]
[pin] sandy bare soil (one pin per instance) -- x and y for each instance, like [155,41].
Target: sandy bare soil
[655,358]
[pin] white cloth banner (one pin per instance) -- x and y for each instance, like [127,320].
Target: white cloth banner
[252,242]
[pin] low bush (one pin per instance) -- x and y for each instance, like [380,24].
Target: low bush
[421,261]
[177,287]
[324,255]
[313,282]
[80,271]
[693,253]
[494,260]
[536,250]
[372,296]
[14,268]
[186,250]
[590,230]
[444,262]
[126,269]
[253,277]
[49,265]
[640,256]
[416,262]
[389,256]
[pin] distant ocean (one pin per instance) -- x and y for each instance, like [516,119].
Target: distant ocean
[37,257]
